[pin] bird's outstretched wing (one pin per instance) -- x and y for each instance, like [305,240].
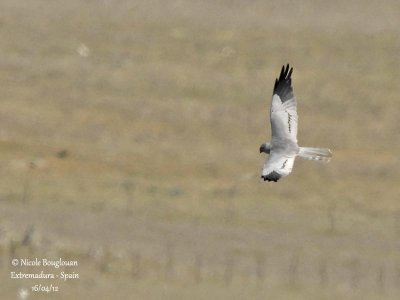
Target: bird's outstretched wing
[277,166]
[284,107]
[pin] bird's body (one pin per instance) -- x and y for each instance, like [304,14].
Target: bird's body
[283,147]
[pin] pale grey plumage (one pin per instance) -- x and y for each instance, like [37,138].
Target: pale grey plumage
[283,147]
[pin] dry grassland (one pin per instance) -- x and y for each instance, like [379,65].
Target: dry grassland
[129,137]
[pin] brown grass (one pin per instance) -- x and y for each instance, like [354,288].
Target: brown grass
[174,97]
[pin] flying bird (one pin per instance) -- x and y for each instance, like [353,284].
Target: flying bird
[283,147]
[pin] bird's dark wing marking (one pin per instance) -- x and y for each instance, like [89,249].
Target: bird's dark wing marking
[273,176]
[283,84]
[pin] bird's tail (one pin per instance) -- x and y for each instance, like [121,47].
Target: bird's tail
[318,154]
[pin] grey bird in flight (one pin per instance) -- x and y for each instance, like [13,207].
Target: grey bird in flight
[283,147]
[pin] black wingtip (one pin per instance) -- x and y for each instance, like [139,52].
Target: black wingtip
[287,69]
[283,84]
[273,176]
[286,72]
[290,73]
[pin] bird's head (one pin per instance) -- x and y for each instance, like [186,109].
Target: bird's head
[265,148]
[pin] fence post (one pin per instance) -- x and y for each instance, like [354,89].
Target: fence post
[129,186]
[105,262]
[323,272]
[332,217]
[26,183]
[136,265]
[355,273]
[170,262]
[198,263]
[293,269]
[381,278]
[228,273]
[260,261]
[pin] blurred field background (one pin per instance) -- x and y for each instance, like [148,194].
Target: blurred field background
[129,137]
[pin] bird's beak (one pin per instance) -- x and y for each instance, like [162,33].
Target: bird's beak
[261,150]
